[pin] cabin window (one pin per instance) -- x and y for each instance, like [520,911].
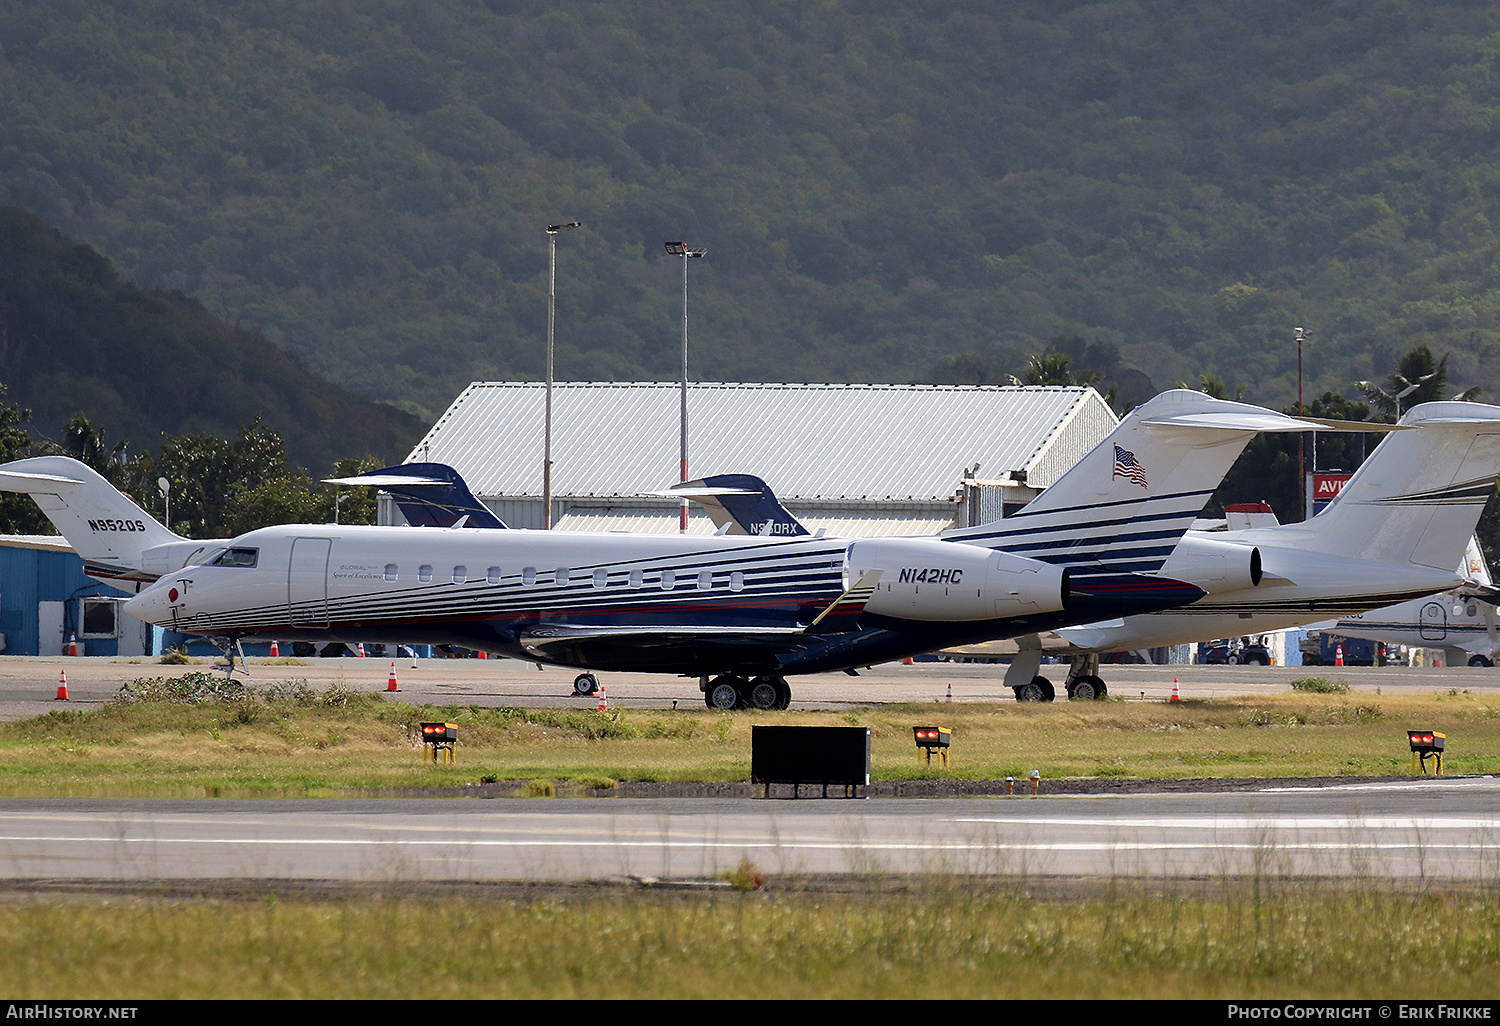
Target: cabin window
[528,576]
[492,575]
[637,579]
[705,580]
[424,573]
[736,581]
[668,580]
[601,577]
[237,557]
[460,574]
[391,572]
[563,575]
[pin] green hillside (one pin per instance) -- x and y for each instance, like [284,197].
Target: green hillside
[887,190]
[75,337]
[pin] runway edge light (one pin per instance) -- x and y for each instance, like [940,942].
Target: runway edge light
[930,739]
[1424,743]
[439,737]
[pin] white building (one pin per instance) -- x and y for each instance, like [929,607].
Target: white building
[858,460]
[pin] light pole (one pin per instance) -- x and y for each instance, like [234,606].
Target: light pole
[681,249]
[1408,390]
[552,232]
[165,487]
[1301,438]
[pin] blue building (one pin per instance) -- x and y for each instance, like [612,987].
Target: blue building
[46,600]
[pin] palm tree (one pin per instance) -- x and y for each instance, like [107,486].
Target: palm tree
[1418,378]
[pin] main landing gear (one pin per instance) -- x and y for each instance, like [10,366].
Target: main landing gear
[1083,685]
[730,691]
[585,684]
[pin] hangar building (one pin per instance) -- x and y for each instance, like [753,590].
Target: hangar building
[856,460]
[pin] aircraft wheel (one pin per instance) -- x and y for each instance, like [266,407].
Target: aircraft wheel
[763,693]
[1479,660]
[722,694]
[585,684]
[1087,689]
[783,693]
[1034,691]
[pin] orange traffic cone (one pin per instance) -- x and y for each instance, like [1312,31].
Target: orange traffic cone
[361,651]
[391,684]
[603,702]
[1338,655]
[73,644]
[275,651]
[1176,695]
[950,691]
[483,654]
[62,687]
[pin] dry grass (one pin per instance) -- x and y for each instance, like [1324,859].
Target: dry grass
[297,742]
[941,939]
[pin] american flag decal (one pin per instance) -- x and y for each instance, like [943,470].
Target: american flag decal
[1128,468]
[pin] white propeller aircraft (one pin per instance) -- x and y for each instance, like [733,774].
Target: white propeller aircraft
[743,613]
[1460,621]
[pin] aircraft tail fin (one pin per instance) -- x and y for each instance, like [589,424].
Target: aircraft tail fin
[743,501]
[1126,504]
[1475,568]
[1418,496]
[428,494]
[102,524]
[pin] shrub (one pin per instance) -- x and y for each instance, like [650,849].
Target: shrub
[1321,685]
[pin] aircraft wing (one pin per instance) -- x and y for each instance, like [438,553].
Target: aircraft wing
[587,645]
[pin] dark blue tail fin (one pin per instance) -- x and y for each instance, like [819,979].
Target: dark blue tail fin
[429,494]
[745,501]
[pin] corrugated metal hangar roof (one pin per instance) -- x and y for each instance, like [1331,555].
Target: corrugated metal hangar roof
[811,443]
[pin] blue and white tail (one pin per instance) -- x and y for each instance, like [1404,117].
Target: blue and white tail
[743,501]
[1418,496]
[428,494]
[1124,506]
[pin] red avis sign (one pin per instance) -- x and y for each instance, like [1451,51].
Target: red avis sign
[1326,488]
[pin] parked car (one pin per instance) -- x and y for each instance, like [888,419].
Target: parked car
[1243,651]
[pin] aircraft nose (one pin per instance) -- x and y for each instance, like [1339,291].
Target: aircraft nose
[152,605]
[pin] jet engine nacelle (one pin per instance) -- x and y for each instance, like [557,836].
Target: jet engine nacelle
[927,579]
[160,560]
[1213,564]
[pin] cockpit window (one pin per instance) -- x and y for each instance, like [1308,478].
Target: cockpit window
[237,557]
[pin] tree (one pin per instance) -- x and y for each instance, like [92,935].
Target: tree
[18,513]
[1416,379]
[86,445]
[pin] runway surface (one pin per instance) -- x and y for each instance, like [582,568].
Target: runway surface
[28,685]
[1408,830]
[1427,830]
